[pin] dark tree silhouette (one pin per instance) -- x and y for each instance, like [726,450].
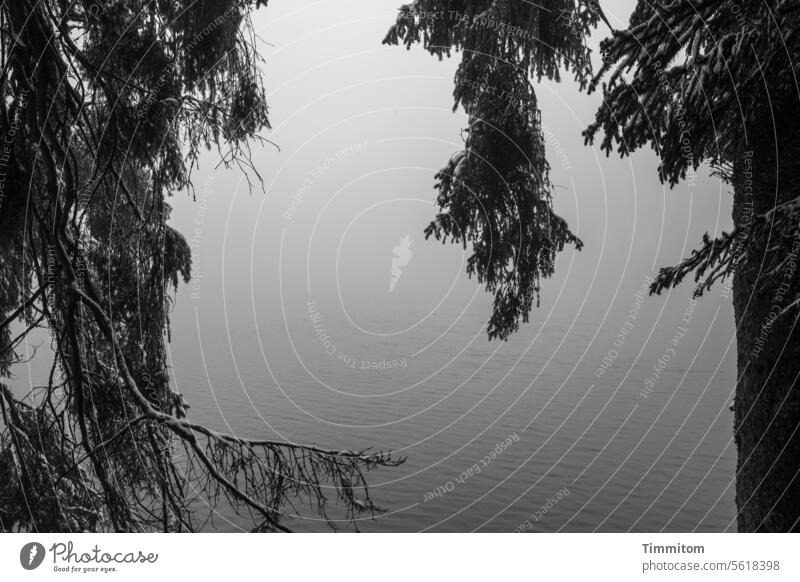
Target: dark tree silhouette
[716,82]
[495,195]
[105,106]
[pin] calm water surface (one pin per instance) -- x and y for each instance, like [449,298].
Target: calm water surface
[630,459]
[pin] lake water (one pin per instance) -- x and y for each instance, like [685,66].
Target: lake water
[536,433]
[607,453]
[362,131]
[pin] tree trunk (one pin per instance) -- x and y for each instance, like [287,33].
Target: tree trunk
[767,404]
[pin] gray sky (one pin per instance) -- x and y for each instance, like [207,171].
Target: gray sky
[382,118]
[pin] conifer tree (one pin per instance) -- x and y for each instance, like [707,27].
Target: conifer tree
[715,82]
[105,107]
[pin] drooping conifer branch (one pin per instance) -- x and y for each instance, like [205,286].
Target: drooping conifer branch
[495,197]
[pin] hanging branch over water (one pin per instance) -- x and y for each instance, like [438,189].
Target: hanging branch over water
[718,258]
[495,195]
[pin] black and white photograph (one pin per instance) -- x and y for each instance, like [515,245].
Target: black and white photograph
[401,270]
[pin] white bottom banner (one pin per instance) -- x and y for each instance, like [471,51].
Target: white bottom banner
[423,557]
